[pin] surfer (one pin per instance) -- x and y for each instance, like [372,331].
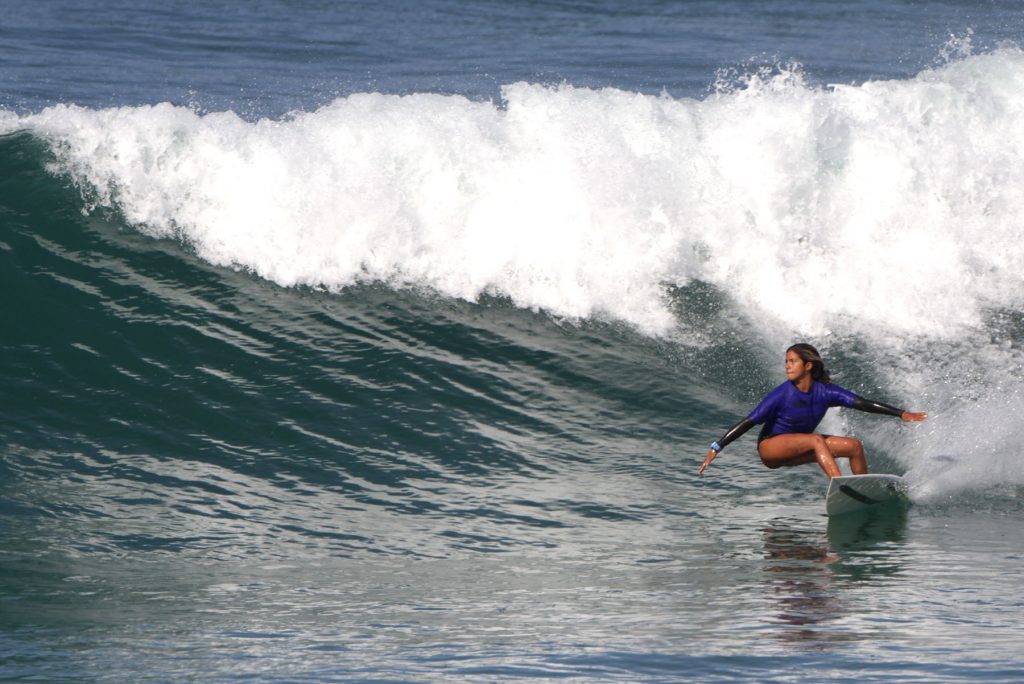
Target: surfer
[792,410]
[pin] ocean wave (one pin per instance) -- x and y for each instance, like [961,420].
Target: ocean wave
[886,212]
[888,205]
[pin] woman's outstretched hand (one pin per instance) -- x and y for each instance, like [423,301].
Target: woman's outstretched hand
[910,417]
[711,456]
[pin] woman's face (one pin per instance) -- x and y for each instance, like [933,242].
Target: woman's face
[797,368]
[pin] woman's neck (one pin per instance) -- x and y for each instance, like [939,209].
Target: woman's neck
[804,384]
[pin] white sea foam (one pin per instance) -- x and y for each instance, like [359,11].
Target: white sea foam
[895,204]
[890,210]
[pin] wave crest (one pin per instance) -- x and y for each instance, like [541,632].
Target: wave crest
[886,206]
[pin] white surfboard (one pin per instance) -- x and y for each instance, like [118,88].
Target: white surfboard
[851,493]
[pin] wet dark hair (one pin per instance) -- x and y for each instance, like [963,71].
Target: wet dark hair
[810,355]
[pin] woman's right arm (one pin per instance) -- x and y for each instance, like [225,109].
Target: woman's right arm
[735,431]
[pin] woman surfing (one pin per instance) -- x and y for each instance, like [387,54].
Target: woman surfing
[792,411]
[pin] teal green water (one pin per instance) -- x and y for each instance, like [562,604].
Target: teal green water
[208,476]
[382,342]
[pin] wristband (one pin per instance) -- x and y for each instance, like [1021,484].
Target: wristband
[715,446]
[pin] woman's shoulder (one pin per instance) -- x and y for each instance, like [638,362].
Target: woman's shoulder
[781,390]
[771,402]
[835,391]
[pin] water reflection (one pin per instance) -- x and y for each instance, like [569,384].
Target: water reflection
[798,578]
[813,575]
[871,548]
[867,530]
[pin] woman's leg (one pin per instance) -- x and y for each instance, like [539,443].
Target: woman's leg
[798,449]
[848,447]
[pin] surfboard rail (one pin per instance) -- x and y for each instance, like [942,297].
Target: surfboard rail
[853,493]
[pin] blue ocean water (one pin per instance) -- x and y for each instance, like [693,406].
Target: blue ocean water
[382,341]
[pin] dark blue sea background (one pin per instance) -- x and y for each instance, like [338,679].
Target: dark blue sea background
[383,341]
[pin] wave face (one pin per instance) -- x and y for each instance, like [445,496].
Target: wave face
[880,220]
[161,405]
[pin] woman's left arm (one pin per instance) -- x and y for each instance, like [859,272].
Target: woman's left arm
[862,404]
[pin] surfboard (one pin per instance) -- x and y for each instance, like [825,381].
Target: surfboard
[852,493]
